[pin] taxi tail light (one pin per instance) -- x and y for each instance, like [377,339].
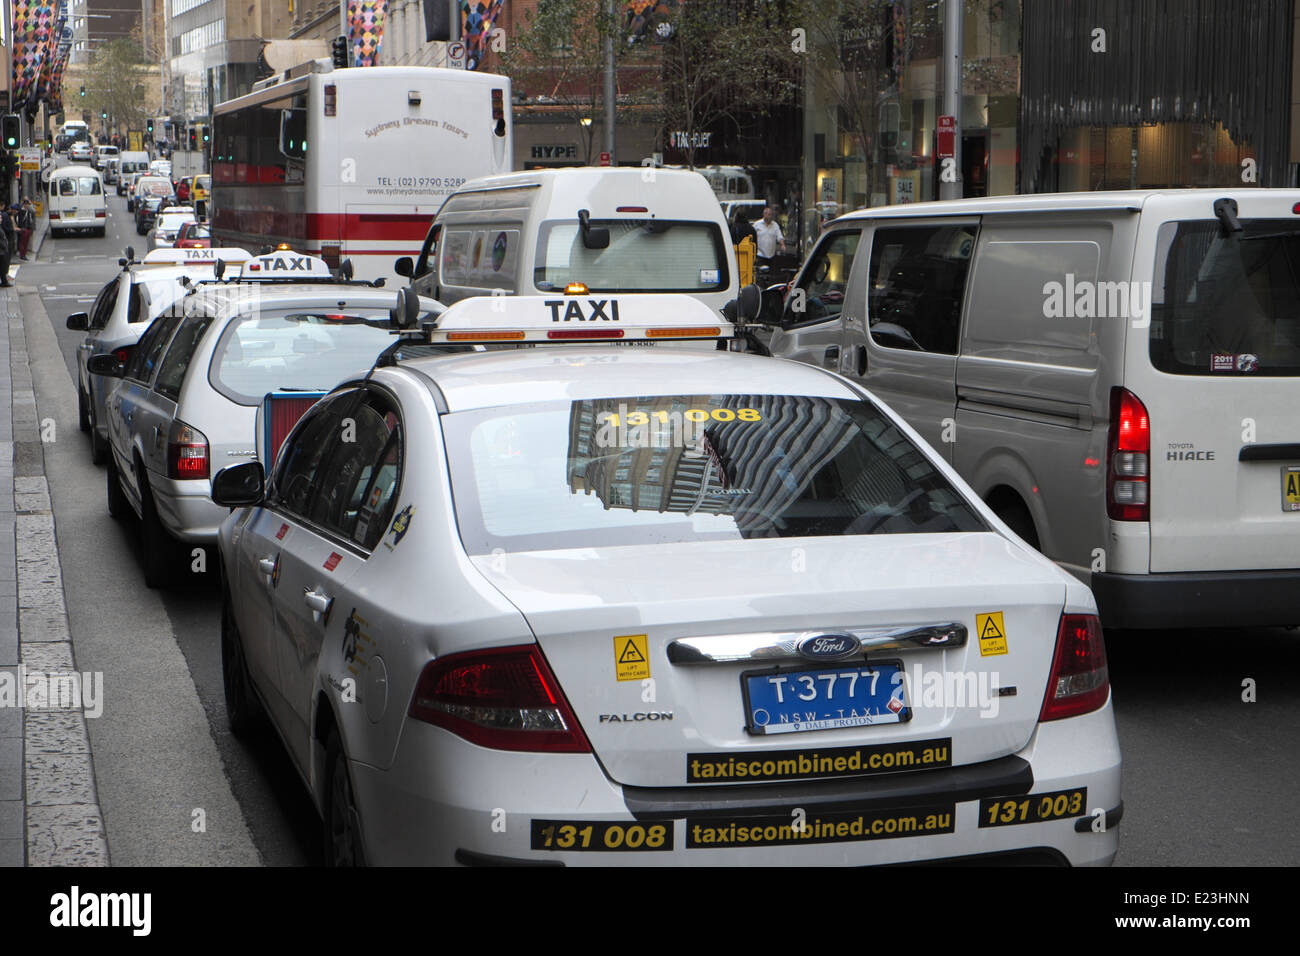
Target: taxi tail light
[187,452]
[505,698]
[1128,468]
[1080,681]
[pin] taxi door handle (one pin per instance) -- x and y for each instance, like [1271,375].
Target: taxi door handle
[319,603]
[266,566]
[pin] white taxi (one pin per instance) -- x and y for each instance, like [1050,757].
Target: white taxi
[653,605]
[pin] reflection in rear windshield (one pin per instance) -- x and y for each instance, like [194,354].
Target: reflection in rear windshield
[679,468]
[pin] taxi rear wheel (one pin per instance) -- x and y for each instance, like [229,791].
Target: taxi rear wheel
[342,830]
[160,550]
[243,709]
[117,504]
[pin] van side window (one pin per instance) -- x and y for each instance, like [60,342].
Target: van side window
[429,251]
[824,279]
[916,285]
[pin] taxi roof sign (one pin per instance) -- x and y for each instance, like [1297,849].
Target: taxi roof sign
[578,319]
[285,265]
[195,257]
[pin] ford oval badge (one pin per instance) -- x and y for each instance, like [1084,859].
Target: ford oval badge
[829,647]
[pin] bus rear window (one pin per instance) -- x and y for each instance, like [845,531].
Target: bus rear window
[1227,305]
[643,255]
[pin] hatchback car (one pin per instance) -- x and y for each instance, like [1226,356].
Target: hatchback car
[602,605]
[81,152]
[150,193]
[193,235]
[187,400]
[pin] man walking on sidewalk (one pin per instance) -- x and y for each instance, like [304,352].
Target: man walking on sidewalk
[26,226]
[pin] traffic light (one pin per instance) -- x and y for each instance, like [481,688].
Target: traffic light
[12,131]
[207,136]
[83,90]
[148,125]
[103,114]
[339,50]
[194,144]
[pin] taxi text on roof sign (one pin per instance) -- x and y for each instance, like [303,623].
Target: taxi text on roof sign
[536,318]
[195,257]
[285,265]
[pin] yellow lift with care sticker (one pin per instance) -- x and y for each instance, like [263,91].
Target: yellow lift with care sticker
[992,633]
[631,657]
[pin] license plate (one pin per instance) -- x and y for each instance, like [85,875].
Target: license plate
[1291,487]
[824,698]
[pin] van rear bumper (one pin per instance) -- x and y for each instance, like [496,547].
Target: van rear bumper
[1199,599]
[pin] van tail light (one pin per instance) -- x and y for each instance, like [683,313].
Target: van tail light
[498,104]
[53,214]
[505,698]
[100,214]
[187,452]
[331,99]
[1128,463]
[1080,681]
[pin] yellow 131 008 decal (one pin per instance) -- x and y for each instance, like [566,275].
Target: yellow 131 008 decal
[690,415]
[570,835]
[1034,808]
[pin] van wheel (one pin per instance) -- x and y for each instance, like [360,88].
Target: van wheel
[342,830]
[1017,517]
[101,231]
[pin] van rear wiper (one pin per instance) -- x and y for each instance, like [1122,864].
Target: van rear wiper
[1288,234]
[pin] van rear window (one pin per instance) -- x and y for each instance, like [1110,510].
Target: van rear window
[643,255]
[1227,305]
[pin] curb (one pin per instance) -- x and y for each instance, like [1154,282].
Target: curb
[63,823]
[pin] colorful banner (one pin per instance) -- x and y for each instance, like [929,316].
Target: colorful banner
[477,19]
[366,29]
[33,41]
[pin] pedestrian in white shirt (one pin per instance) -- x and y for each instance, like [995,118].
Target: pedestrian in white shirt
[767,234]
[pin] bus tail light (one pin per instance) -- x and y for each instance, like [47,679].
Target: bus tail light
[331,99]
[187,452]
[506,698]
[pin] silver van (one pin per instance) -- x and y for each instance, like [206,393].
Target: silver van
[1117,374]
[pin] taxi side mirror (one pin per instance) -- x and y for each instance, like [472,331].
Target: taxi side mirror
[78,322]
[404,266]
[237,486]
[107,365]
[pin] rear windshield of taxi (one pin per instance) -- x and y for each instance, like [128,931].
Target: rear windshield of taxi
[297,351]
[643,255]
[683,468]
[1225,305]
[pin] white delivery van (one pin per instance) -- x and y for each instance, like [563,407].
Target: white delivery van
[609,230]
[131,161]
[77,201]
[1116,373]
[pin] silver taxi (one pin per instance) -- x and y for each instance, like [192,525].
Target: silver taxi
[185,403]
[653,605]
[122,311]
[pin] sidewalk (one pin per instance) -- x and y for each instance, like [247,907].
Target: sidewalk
[49,810]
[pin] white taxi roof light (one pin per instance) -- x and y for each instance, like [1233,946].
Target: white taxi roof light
[576,320]
[195,257]
[285,265]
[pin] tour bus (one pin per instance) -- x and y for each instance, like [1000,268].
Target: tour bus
[75,130]
[352,164]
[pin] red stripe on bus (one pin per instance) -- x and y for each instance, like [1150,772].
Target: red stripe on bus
[329,227]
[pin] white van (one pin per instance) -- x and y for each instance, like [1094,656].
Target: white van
[77,201]
[610,230]
[1115,373]
[129,163]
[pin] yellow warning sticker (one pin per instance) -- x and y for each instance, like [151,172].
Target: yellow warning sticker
[992,633]
[632,657]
